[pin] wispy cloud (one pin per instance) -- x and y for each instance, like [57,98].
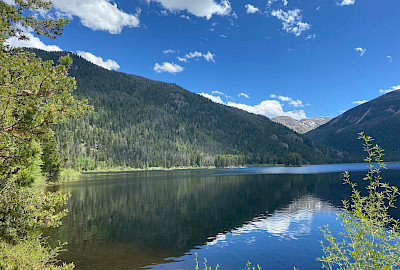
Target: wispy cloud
[311,36]
[168,51]
[109,64]
[243,95]
[291,21]
[389,58]
[167,67]
[359,102]
[251,9]
[391,89]
[291,102]
[362,51]
[199,8]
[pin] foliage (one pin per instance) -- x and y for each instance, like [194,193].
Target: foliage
[371,239]
[68,174]
[292,159]
[25,213]
[13,20]
[29,254]
[32,170]
[34,95]
[51,166]
[222,161]
[206,267]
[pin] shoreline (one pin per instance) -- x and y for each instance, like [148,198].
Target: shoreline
[71,175]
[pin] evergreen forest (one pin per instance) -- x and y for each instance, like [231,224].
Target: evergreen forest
[142,123]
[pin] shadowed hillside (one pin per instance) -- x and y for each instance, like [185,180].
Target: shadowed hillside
[378,118]
[141,123]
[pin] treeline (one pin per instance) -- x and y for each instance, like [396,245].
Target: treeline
[222,161]
[140,123]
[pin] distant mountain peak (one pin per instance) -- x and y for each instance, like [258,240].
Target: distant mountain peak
[303,125]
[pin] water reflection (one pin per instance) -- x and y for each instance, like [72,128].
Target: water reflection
[292,221]
[158,219]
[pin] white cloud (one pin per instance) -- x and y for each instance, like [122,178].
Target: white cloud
[218,93]
[268,108]
[216,99]
[389,58]
[291,21]
[167,67]
[270,2]
[207,56]
[393,88]
[109,64]
[251,9]
[360,50]
[185,17]
[182,59]
[292,102]
[168,51]
[243,95]
[199,8]
[347,3]
[98,14]
[311,36]
[31,42]
[359,102]
[223,36]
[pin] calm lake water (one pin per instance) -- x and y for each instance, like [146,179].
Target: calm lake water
[161,219]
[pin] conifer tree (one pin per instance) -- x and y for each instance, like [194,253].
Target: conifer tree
[34,95]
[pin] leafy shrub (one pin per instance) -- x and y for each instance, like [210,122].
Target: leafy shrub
[371,238]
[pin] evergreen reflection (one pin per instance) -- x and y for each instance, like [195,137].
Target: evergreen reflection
[127,221]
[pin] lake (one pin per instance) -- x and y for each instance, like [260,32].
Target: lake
[162,219]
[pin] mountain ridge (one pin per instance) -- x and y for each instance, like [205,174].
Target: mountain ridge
[140,123]
[301,126]
[378,118]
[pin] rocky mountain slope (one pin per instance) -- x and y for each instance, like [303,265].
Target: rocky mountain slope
[302,126]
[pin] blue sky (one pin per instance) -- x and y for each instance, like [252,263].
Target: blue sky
[302,58]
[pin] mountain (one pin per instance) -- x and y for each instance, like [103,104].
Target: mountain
[138,122]
[302,126]
[378,118]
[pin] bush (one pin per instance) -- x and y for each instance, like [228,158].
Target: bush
[371,238]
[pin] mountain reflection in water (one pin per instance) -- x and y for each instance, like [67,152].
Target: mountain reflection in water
[161,219]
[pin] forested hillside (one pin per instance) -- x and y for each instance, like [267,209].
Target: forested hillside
[143,123]
[379,118]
